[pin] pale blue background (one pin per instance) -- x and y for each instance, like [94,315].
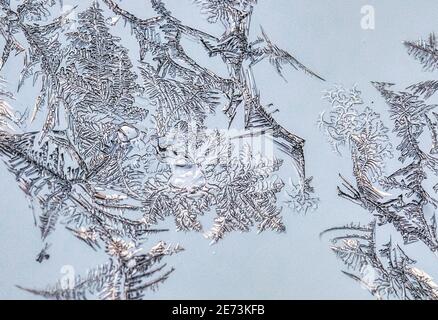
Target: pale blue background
[327,37]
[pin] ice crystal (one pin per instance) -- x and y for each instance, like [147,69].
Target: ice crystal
[407,203]
[117,141]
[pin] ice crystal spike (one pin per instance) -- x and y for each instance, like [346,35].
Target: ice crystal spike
[387,273]
[117,141]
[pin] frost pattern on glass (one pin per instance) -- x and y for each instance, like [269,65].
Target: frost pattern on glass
[404,198]
[387,273]
[115,144]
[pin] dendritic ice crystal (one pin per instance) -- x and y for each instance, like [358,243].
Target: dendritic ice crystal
[404,199]
[117,140]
